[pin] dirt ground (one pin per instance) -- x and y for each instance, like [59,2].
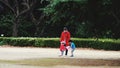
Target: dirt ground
[84,58]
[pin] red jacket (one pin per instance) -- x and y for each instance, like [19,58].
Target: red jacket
[65,36]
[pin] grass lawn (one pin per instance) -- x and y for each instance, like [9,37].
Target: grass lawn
[64,61]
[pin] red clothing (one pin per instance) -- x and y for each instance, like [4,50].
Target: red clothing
[65,36]
[62,47]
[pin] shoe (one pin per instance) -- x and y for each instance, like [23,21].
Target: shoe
[71,56]
[65,55]
[60,55]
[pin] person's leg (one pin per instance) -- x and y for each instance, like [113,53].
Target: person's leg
[66,52]
[72,52]
[61,53]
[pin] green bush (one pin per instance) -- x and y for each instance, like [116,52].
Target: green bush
[106,44]
[2,42]
[47,42]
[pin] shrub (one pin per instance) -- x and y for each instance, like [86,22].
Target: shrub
[106,44]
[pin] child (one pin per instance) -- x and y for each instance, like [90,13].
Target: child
[62,48]
[72,45]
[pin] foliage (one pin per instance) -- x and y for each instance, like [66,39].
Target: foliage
[106,44]
[5,22]
[96,14]
[46,18]
[65,13]
[26,29]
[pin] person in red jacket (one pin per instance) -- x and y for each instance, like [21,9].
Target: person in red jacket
[62,48]
[65,36]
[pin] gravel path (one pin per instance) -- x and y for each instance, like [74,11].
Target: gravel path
[28,53]
[22,66]
[15,53]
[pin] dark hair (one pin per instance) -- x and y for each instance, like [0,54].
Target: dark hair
[70,40]
[65,28]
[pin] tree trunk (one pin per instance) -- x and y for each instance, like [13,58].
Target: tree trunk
[42,31]
[28,5]
[37,23]
[36,32]
[15,28]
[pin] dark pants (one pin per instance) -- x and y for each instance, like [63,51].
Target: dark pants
[66,52]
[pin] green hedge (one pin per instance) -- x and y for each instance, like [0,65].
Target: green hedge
[27,41]
[106,44]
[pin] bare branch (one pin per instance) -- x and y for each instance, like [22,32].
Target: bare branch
[5,2]
[29,7]
[41,1]
[25,4]
[17,7]
[42,16]
[115,16]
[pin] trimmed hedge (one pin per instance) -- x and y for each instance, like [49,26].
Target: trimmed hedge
[98,44]
[28,41]
[106,44]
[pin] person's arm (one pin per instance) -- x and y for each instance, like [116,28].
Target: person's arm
[68,36]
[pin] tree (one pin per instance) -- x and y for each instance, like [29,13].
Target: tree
[1,8]
[68,13]
[115,12]
[39,20]
[18,8]
[46,18]
[5,22]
